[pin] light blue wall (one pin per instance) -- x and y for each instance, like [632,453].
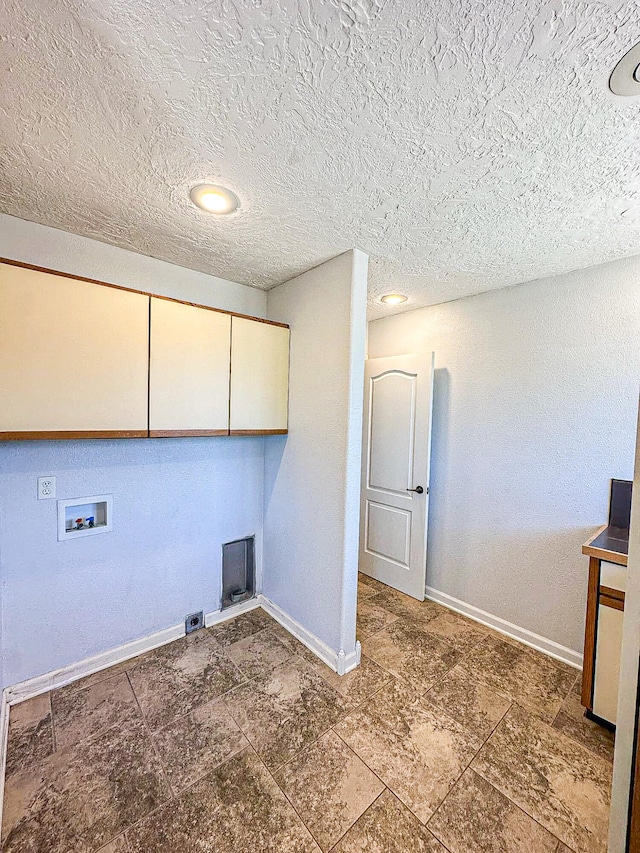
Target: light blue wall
[175,501]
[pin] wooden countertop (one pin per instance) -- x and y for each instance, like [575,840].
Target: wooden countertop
[608,543]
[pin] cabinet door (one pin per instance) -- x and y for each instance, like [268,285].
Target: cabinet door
[189,370]
[259,377]
[73,358]
[607,666]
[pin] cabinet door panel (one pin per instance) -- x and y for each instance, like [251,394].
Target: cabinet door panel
[73,356]
[189,370]
[259,377]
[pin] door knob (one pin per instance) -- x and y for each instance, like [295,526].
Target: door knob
[417,489]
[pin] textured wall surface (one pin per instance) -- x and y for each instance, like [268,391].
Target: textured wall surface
[174,504]
[175,501]
[312,480]
[535,408]
[58,250]
[464,146]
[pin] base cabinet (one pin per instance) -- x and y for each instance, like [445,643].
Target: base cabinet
[603,639]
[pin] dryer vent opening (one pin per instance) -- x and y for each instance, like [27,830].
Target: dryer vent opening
[238,571]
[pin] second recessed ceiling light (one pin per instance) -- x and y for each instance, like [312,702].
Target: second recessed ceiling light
[214,199]
[393,298]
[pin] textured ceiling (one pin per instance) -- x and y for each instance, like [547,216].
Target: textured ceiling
[464,145]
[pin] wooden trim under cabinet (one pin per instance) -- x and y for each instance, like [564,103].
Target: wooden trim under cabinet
[185,433]
[66,435]
[13,263]
[258,432]
[614,603]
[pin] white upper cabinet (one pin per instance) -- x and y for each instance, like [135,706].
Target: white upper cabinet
[83,359]
[259,377]
[188,370]
[73,357]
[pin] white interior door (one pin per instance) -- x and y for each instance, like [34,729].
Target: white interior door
[395,472]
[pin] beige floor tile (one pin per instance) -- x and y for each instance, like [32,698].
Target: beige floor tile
[329,787]
[119,845]
[476,817]
[30,737]
[365,591]
[415,713]
[471,703]
[408,652]
[283,712]
[180,676]
[238,808]
[461,633]
[377,585]
[407,607]
[572,722]
[559,783]
[533,680]
[294,645]
[414,749]
[242,626]
[388,827]
[103,674]
[83,713]
[193,745]
[372,619]
[359,684]
[258,654]
[84,796]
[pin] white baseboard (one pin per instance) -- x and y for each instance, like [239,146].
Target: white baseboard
[535,641]
[217,616]
[339,662]
[61,677]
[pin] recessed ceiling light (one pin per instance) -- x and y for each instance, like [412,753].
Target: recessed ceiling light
[625,79]
[214,199]
[393,298]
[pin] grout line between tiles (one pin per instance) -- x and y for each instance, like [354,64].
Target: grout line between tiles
[468,767]
[53,724]
[153,743]
[295,810]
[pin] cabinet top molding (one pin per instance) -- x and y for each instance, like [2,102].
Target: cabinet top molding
[11,262]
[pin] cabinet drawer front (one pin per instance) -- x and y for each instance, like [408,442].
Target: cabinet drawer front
[189,369]
[259,376]
[73,355]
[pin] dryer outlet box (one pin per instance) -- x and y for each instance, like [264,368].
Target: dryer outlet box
[193,622]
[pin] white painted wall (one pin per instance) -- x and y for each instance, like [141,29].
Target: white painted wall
[312,478]
[536,391]
[628,692]
[175,501]
[48,247]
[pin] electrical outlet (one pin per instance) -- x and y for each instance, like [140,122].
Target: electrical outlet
[46,488]
[193,622]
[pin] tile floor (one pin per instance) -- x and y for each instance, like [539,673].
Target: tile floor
[237,740]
